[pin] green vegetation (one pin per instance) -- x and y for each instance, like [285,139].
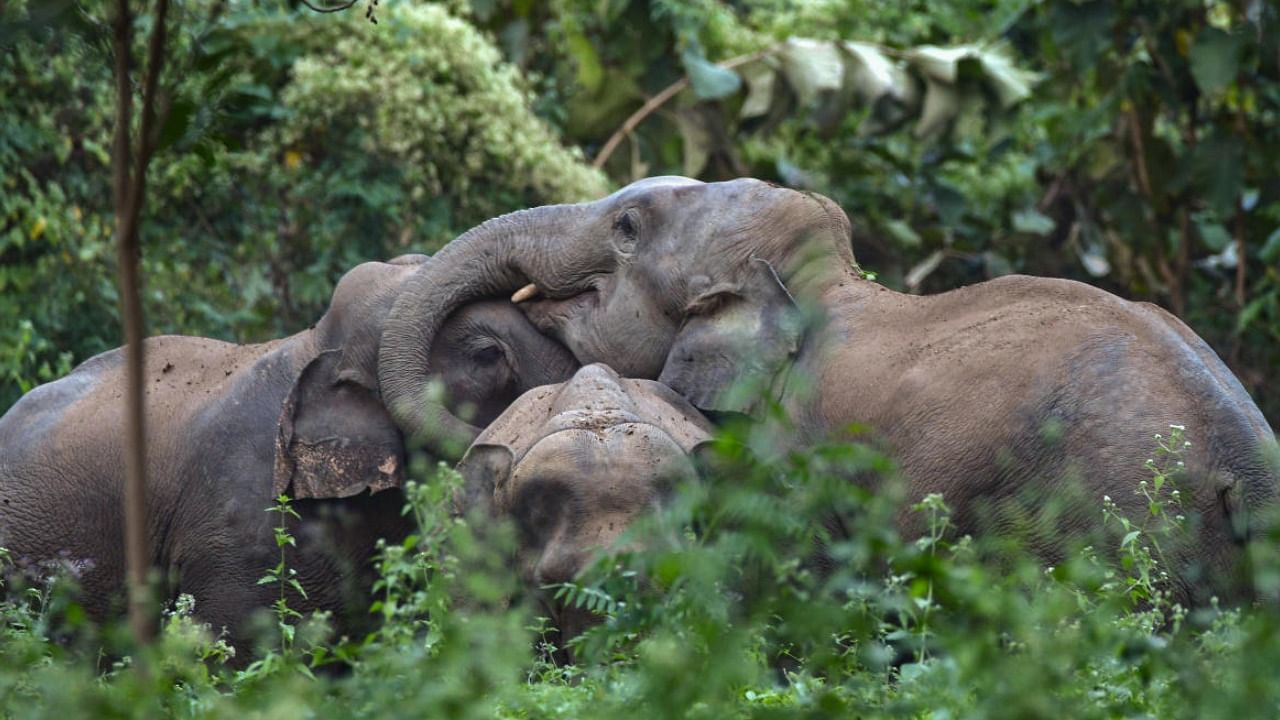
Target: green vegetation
[1142,160]
[744,604]
[1127,143]
[298,146]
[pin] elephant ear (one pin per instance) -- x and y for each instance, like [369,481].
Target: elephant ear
[334,438]
[485,468]
[736,340]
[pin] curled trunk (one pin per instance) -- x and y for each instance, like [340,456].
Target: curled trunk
[543,245]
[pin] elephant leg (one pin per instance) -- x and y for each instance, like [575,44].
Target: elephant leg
[223,580]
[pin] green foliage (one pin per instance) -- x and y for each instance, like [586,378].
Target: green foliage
[772,588]
[297,147]
[300,145]
[284,577]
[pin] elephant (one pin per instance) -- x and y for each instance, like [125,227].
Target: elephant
[230,428]
[1000,395]
[573,465]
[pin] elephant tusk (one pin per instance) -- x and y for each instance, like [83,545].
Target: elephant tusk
[525,293]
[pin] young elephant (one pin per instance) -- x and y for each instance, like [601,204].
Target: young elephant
[574,464]
[232,426]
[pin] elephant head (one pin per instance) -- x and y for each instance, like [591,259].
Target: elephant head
[335,437]
[668,277]
[574,464]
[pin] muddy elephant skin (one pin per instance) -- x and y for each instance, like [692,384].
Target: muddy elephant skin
[230,427]
[573,465]
[1001,395]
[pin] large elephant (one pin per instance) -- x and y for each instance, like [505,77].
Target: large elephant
[996,395]
[232,426]
[573,465]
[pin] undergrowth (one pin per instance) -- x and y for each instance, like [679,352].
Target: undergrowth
[775,587]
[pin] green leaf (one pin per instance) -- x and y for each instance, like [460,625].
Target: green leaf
[997,264]
[811,67]
[590,71]
[1215,59]
[1270,251]
[1254,308]
[1212,233]
[709,81]
[910,671]
[1218,164]
[1032,222]
[177,123]
[1129,538]
[902,233]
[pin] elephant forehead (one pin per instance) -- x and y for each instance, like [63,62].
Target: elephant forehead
[653,183]
[621,461]
[681,190]
[594,390]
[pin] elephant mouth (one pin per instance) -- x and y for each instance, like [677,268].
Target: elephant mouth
[551,315]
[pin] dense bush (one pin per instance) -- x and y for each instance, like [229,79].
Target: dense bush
[298,146]
[747,602]
[302,144]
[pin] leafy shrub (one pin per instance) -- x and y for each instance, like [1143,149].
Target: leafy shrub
[298,146]
[773,588]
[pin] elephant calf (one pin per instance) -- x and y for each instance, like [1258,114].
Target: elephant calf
[574,464]
[232,426]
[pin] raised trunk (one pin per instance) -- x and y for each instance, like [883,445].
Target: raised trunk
[550,246]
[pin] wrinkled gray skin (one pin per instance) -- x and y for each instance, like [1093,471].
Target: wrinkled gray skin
[573,465]
[232,426]
[1000,395]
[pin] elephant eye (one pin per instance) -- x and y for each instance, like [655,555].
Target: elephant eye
[487,355]
[538,510]
[628,226]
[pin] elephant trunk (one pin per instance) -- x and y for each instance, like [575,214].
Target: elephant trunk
[491,259]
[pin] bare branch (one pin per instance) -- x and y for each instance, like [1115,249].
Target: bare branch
[129,164]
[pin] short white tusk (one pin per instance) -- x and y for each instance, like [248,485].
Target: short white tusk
[525,293]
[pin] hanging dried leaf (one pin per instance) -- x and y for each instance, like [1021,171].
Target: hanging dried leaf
[1010,84]
[759,77]
[697,142]
[941,106]
[938,63]
[944,89]
[870,73]
[891,91]
[811,67]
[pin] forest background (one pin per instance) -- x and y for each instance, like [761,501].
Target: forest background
[1130,144]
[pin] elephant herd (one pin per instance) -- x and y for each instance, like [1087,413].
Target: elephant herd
[574,356]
